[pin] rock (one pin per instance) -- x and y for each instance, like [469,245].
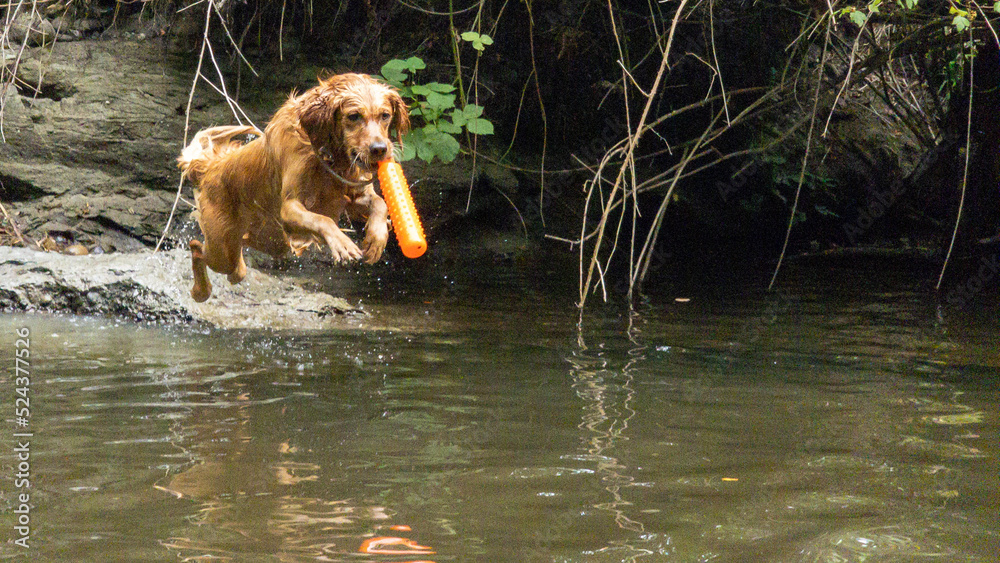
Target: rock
[32,27]
[149,286]
[92,134]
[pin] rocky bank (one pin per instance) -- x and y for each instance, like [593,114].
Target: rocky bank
[148,286]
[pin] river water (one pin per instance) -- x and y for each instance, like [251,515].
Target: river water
[831,421]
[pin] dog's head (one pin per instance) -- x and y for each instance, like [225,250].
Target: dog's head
[349,118]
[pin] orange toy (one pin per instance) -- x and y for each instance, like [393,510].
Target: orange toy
[405,221]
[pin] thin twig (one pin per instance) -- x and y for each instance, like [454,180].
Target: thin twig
[645,257]
[805,157]
[965,169]
[187,120]
[715,57]
[628,125]
[541,108]
[847,79]
[13,225]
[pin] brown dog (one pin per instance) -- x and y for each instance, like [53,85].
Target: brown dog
[287,188]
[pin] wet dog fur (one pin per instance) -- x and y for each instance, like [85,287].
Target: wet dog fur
[285,189]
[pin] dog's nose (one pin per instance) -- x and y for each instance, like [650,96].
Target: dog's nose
[378,150]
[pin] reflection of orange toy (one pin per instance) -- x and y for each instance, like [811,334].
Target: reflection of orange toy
[405,221]
[393,546]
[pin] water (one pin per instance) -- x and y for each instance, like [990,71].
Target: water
[817,424]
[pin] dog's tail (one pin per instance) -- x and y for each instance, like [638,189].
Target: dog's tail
[210,144]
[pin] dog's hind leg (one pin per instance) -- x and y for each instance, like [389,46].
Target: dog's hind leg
[227,261]
[240,271]
[202,289]
[222,251]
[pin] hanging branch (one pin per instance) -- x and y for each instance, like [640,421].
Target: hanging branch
[628,125]
[965,168]
[187,119]
[541,108]
[629,154]
[645,257]
[805,157]
[234,106]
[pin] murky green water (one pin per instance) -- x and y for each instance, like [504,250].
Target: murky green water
[805,426]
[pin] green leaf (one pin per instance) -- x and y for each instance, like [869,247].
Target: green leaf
[431,87]
[430,114]
[428,143]
[449,126]
[397,71]
[479,126]
[471,111]
[444,146]
[996,7]
[961,23]
[439,87]
[414,64]
[479,41]
[420,90]
[394,72]
[410,142]
[440,102]
[483,41]
[466,114]
[415,145]
[859,18]
[425,151]
[409,152]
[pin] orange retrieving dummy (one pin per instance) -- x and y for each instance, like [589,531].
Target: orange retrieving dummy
[405,221]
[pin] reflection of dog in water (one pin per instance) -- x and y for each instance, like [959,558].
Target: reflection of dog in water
[385,545]
[287,188]
[244,487]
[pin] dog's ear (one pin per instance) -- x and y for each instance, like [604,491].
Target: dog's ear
[401,115]
[318,117]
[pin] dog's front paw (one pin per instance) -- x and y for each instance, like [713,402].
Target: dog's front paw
[343,249]
[374,243]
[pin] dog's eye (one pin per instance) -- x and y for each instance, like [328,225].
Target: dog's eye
[354,117]
[386,116]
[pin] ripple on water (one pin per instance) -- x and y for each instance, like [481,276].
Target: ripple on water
[905,542]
